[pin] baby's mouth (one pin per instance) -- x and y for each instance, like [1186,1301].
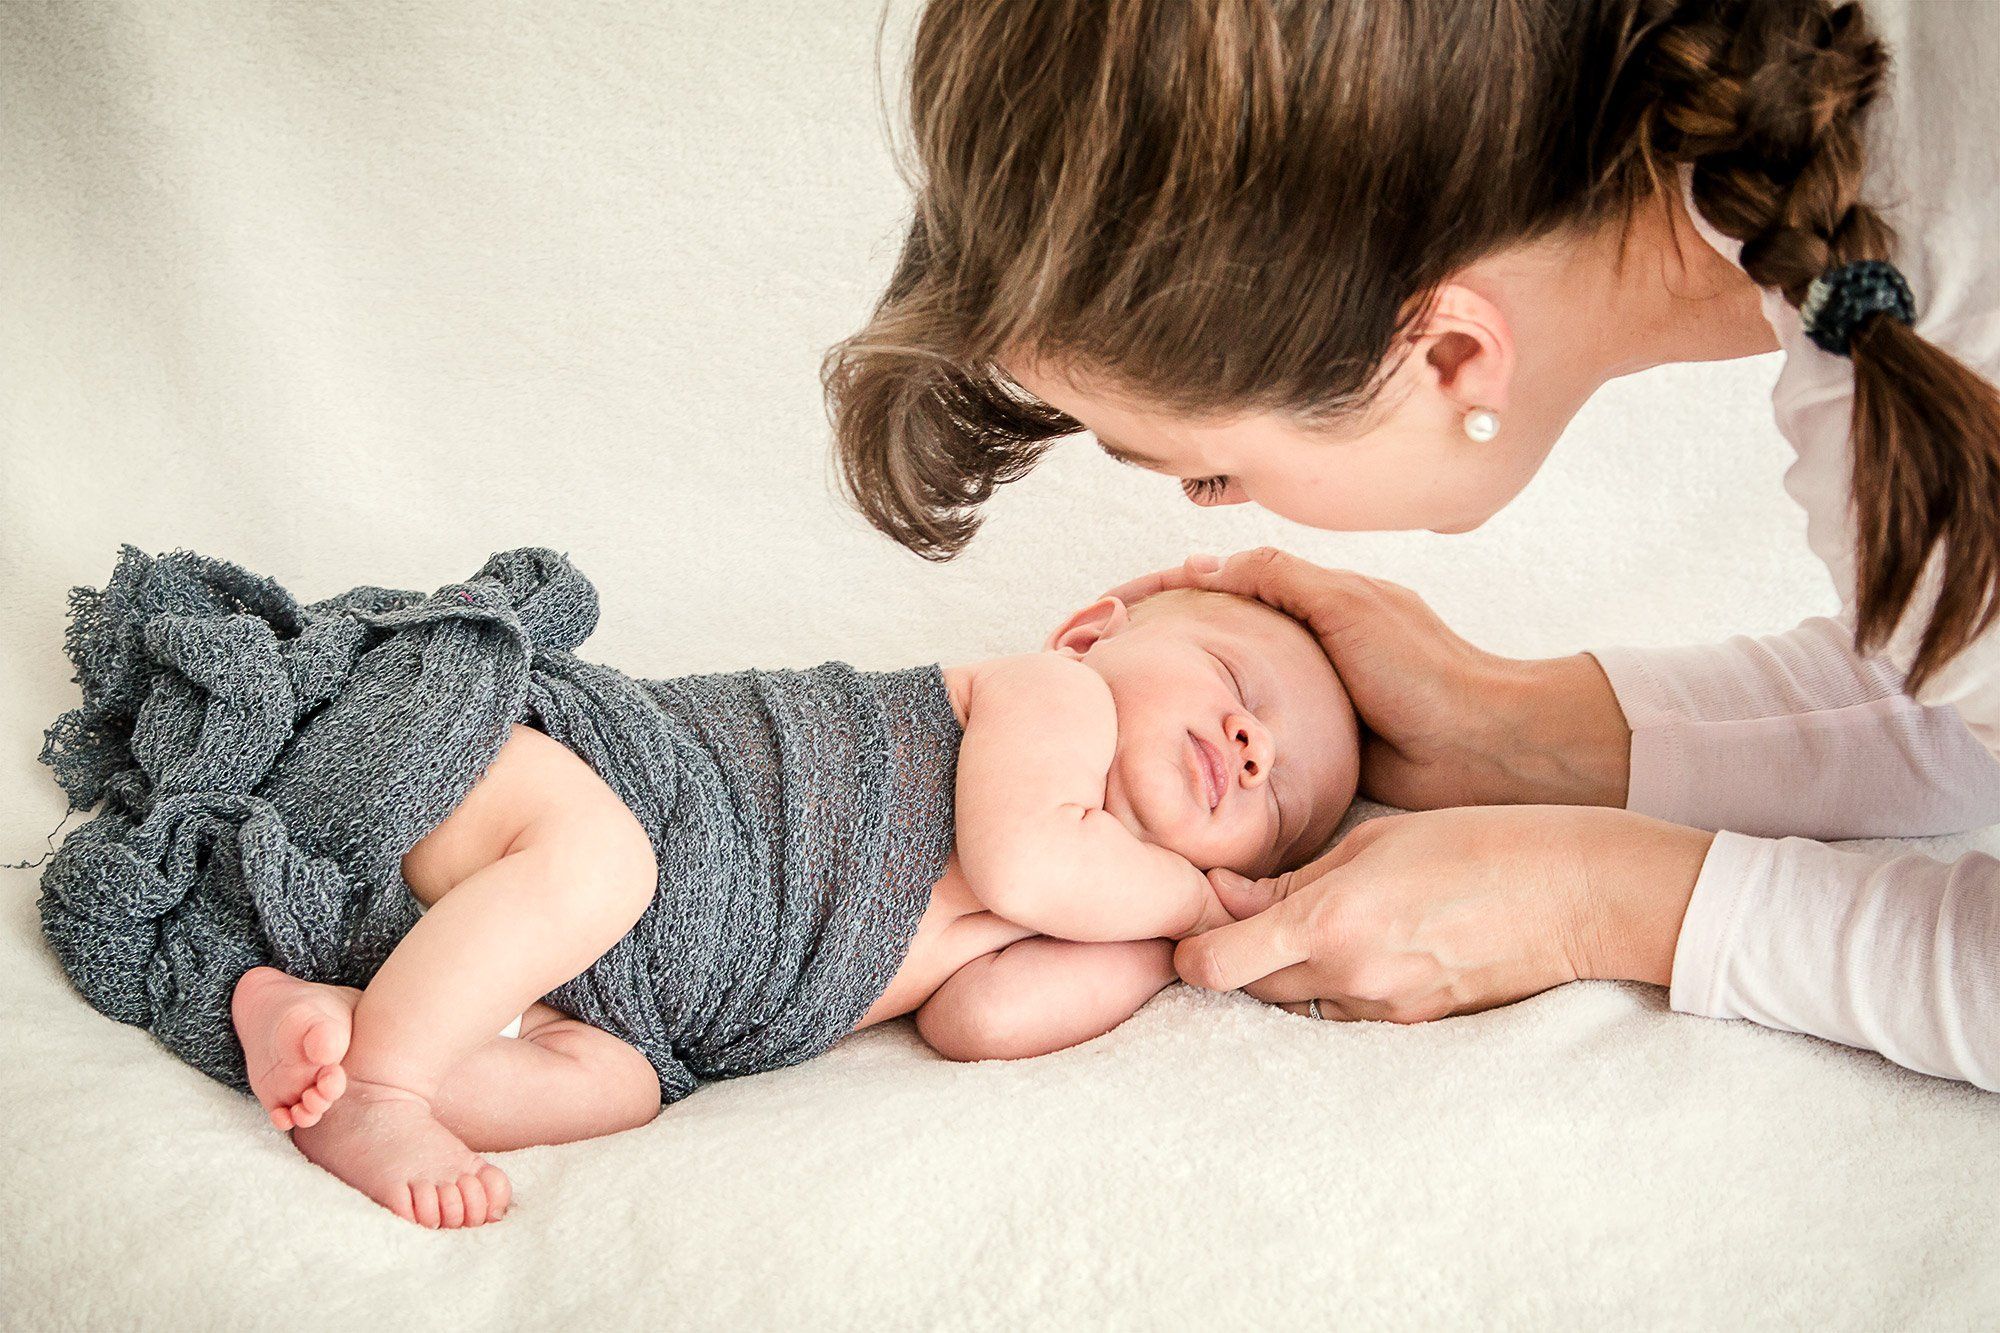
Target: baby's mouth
[1207,771]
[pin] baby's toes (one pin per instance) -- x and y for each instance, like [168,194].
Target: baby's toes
[499,1190]
[474,1193]
[332,1081]
[451,1205]
[324,1042]
[313,1103]
[281,1116]
[424,1202]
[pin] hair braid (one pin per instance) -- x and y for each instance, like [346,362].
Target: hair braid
[1764,100]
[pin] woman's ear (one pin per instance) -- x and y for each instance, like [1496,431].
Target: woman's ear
[1467,350]
[1100,620]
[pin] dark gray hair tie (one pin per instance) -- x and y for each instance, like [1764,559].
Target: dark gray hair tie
[1842,297]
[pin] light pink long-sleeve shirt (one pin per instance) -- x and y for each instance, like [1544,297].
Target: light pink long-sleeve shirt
[1785,739]
[1793,737]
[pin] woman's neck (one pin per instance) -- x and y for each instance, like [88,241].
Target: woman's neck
[1686,301]
[1593,309]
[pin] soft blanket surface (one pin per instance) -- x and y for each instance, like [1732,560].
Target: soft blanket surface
[358,291]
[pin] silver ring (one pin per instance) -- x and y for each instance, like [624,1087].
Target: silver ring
[1313,1009]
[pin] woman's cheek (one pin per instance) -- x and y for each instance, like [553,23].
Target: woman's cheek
[1315,503]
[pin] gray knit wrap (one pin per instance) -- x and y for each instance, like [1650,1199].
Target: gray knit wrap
[263,767]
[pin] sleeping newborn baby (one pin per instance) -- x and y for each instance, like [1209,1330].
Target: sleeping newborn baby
[343,845]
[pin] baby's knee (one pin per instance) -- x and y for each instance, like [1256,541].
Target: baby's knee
[604,844]
[626,1086]
[632,868]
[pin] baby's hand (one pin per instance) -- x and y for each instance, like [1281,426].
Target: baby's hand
[1214,912]
[1243,897]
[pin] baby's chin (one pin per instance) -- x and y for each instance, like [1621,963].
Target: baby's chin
[1202,855]
[1254,864]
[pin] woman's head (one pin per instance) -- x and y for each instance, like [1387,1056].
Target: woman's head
[1237,232]
[1210,211]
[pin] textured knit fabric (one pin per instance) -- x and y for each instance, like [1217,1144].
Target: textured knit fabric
[264,766]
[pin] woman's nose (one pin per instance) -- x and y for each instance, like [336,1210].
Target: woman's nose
[1251,745]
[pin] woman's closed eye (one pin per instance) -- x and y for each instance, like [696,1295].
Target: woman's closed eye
[1208,491]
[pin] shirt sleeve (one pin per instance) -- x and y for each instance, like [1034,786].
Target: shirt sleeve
[1796,734]
[1899,954]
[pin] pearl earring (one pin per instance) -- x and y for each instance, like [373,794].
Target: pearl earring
[1481,425]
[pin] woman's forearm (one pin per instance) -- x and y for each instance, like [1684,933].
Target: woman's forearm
[1639,880]
[1890,954]
[1557,735]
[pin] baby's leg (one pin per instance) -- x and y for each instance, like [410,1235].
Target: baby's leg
[560,1081]
[538,872]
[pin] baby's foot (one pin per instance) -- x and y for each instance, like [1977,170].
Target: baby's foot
[385,1143]
[294,1034]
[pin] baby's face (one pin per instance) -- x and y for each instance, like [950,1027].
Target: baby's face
[1237,746]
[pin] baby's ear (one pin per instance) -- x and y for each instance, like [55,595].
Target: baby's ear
[1100,620]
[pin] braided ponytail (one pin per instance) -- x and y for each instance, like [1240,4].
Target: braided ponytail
[1763,99]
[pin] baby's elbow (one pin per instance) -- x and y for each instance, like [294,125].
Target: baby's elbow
[1007,886]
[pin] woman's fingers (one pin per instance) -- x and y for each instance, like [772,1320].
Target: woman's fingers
[1229,957]
[1301,589]
[1190,574]
[1292,985]
[1330,1010]
[1280,908]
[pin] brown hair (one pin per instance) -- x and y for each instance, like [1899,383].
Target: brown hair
[1241,205]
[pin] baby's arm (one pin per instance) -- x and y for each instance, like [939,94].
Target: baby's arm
[1040,995]
[1034,840]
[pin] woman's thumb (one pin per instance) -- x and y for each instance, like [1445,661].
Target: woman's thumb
[1242,897]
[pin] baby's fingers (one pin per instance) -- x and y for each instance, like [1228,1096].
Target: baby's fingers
[1243,897]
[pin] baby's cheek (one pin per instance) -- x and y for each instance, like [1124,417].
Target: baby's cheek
[1119,806]
[1208,848]
[1250,851]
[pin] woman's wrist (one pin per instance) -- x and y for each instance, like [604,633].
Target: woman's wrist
[1560,737]
[1640,878]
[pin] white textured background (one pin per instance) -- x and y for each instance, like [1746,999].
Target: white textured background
[352,292]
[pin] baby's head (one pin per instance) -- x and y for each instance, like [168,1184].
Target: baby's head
[1237,746]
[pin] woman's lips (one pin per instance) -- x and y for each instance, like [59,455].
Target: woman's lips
[1208,771]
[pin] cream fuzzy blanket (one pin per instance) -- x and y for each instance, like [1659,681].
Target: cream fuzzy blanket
[337,288]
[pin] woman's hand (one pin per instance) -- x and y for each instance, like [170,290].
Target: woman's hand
[1447,723]
[1419,916]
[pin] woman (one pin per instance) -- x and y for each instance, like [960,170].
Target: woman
[1361,263]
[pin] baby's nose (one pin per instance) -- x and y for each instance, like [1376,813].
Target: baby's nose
[1252,743]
